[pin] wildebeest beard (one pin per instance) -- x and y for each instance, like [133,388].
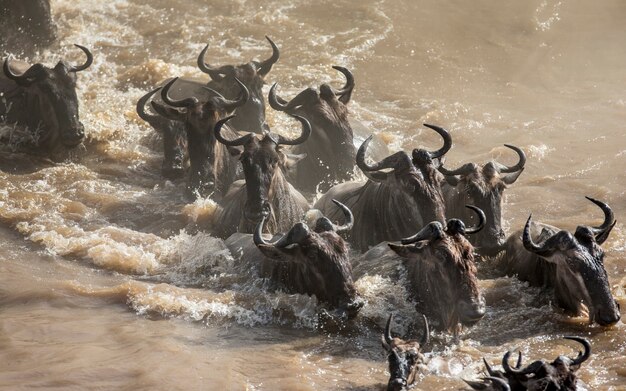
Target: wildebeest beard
[318,265]
[446,274]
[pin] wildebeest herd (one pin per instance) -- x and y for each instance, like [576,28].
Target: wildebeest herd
[435,222]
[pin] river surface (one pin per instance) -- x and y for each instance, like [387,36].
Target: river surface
[106,282]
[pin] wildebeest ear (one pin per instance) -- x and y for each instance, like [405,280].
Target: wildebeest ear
[401,250]
[291,160]
[168,112]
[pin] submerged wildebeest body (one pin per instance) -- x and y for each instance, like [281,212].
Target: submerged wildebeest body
[250,116]
[25,25]
[44,101]
[483,187]
[212,166]
[404,357]
[391,204]
[330,151]
[559,375]
[265,191]
[570,265]
[312,262]
[440,271]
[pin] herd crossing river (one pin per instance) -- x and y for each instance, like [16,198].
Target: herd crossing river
[110,277]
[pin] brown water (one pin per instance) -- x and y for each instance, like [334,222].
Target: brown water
[105,282]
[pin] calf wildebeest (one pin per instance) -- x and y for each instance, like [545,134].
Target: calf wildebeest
[571,265]
[26,25]
[250,116]
[441,272]
[265,191]
[391,204]
[483,187]
[213,169]
[330,150]
[559,375]
[44,100]
[404,357]
[312,262]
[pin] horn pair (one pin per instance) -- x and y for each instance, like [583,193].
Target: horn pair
[36,70]
[502,169]
[306,96]
[226,104]
[601,233]
[387,338]
[435,230]
[534,367]
[219,73]
[300,231]
[280,140]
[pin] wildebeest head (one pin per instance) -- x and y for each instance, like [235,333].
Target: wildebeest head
[580,266]
[250,116]
[51,100]
[198,116]
[558,375]
[317,261]
[417,176]
[442,272]
[263,166]
[483,187]
[404,357]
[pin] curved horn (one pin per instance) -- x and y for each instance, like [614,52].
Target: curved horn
[141,106]
[490,370]
[25,78]
[532,368]
[349,218]
[387,162]
[275,101]
[387,334]
[349,86]
[306,132]
[465,169]
[266,65]
[426,337]
[520,164]
[582,356]
[602,232]
[430,231]
[87,63]
[481,220]
[231,143]
[216,74]
[294,236]
[528,240]
[187,102]
[447,141]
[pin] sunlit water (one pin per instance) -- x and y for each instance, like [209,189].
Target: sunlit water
[107,281]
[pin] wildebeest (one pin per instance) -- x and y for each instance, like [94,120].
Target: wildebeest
[330,150]
[26,25]
[312,262]
[265,191]
[404,356]
[213,169]
[559,375]
[391,204]
[483,187]
[441,272]
[250,116]
[44,100]
[571,265]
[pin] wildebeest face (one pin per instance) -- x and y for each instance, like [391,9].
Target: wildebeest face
[263,163]
[250,116]
[580,267]
[484,187]
[442,272]
[52,101]
[404,357]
